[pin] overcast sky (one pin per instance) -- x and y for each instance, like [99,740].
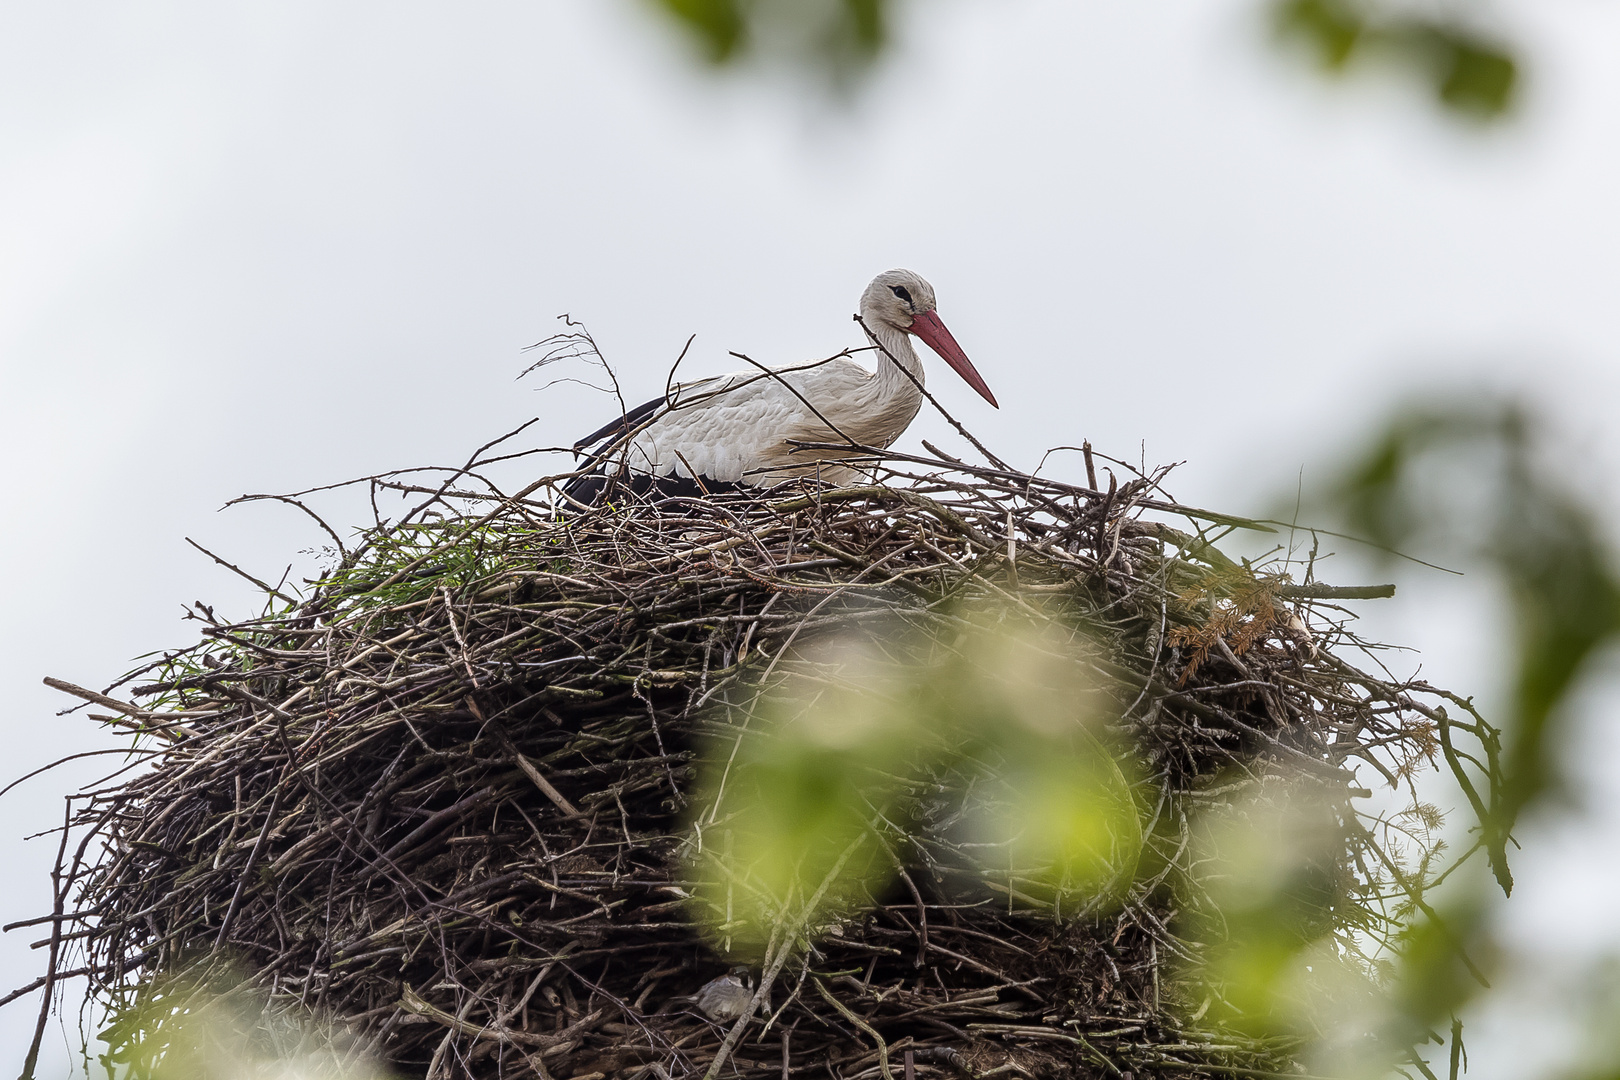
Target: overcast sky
[252,247]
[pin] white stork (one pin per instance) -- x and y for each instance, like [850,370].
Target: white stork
[739,429]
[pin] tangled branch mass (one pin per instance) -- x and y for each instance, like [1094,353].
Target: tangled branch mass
[467,799]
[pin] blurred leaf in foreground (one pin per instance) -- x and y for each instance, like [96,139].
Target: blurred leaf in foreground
[222,1028]
[1478,482]
[1470,481]
[1471,74]
[1280,954]
[834,37]
[807,818]
[1468,73]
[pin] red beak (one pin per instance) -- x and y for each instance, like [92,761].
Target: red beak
[929,327]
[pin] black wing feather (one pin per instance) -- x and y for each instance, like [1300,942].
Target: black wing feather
[587,488]
[625,423]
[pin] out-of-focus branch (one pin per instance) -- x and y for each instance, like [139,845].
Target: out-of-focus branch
[1469,73]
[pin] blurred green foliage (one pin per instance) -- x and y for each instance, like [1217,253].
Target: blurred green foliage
[802,818]
[836,37]
[1472,481]
[1280,918]
[219,1026]
[1481,483]
[1469,73]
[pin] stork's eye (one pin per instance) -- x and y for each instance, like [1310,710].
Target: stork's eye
[900,291]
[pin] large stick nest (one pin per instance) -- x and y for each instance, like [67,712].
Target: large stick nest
[445,799]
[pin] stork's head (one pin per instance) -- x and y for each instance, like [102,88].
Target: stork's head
[904,301]
[896,297]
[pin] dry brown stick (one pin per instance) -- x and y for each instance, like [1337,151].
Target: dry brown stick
[450,616]
[165,724]
[412,1002]
[59,897]
[868,1029]
[253,858]
[545,787]
[263,587]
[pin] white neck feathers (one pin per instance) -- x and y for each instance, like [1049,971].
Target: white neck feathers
[894,398]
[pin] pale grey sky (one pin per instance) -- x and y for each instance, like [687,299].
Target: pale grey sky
[254,248]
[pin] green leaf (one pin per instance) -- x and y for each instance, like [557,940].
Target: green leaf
[1331,29]
[717,24]
[1478,78]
